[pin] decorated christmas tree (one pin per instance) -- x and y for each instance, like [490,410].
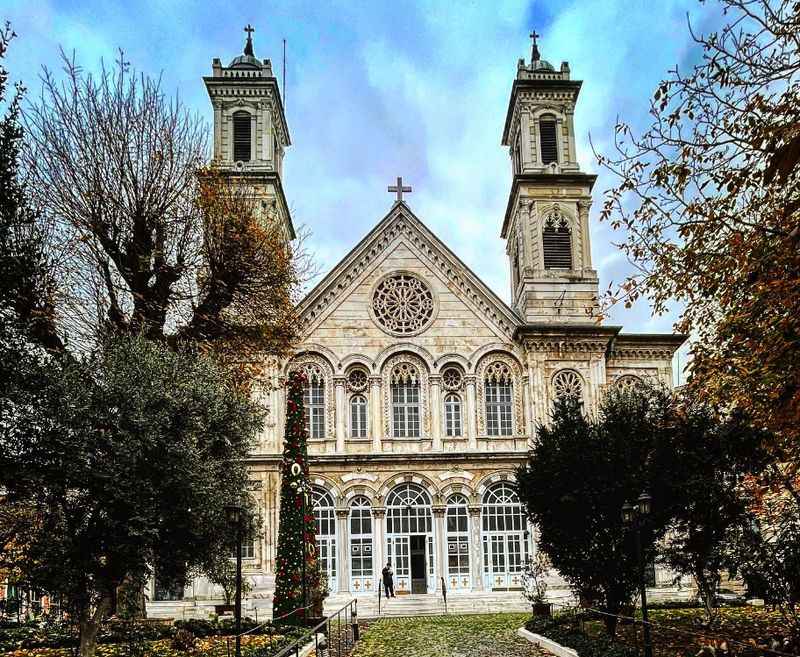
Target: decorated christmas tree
[296,558]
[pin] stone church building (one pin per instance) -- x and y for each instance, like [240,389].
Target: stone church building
[425,386]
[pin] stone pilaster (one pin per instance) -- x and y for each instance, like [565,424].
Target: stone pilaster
[379,541]
[341,412]
[439,545]
[376,424]
[342,550]
[472,413]
[436,412]
[476,549]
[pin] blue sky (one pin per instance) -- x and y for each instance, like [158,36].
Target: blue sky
[378,89]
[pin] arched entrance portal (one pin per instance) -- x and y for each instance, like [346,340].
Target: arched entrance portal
[409,538]
[505,544]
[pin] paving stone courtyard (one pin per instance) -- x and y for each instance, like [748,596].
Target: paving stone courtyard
[485,635]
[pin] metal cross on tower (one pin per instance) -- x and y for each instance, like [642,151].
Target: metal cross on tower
[399,188]
[249,29]
[534,36]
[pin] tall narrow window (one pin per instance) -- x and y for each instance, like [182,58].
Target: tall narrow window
[358,416]
[242,140]
[360,540]
[405,409]
[557,242]
[547,139]
[452,415]
[314,406]
[499,400]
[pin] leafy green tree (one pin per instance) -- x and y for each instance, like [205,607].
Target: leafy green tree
[766,554]
[117,465]
[297,555]
[718,455]
[580,473]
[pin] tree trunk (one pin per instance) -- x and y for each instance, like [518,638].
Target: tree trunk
[90,626]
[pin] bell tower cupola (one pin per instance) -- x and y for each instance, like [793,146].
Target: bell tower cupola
[250,130]
[546,225]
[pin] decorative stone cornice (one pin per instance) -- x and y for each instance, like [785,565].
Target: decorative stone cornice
[556,346]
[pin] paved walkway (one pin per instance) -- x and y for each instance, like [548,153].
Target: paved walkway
[485,635]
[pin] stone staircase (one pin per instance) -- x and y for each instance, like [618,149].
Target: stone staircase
[432,604]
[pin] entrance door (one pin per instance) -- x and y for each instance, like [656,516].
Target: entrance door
[502,560]
[419,576]
[397,555]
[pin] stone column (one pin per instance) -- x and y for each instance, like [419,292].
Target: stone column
[378,542]
[376,416]
[476,548]
[472,417]
[526,407]
[440,545]
[341,412]
[342,550]
[436,412]
[254,135]
[526,146]
[218,130]
[583,218]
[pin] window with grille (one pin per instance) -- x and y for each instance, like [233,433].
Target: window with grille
[241,137]
[405,409]
[248,550]
[452,415]
[360,537]
[314,408]
[557,243]
[499,396]
[358,416]
[547,139]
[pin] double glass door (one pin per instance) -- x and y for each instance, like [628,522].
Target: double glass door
[503,556]
[411,556]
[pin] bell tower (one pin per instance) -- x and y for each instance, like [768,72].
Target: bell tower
[546,225]
[250,129]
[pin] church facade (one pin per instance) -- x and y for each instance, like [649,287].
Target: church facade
[425,387]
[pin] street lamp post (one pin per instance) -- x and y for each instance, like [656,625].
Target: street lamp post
[234,514]
[635,516]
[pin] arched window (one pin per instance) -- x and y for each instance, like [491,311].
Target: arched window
[242,139]
[405,401]
[358,416]
[499,401]
[314,403]
[504,536]
[361,566]
[548,139]
[458,542]
[325,519]
[557,242]
[408,510]
[452,415]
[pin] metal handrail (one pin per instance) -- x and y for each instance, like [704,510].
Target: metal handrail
[350,634]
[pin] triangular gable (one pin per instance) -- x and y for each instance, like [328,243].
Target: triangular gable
[401,222]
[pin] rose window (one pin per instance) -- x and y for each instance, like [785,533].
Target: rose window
[568,384]
[357,381]
[403,304]
[452,378]
[628,382]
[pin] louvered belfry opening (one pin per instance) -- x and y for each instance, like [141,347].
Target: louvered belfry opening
[241,137]
[547,138]
[557,243]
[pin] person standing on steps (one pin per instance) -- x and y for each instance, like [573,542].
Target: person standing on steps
[388,580]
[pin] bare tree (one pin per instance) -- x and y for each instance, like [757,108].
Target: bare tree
[145,238]
[709,199]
